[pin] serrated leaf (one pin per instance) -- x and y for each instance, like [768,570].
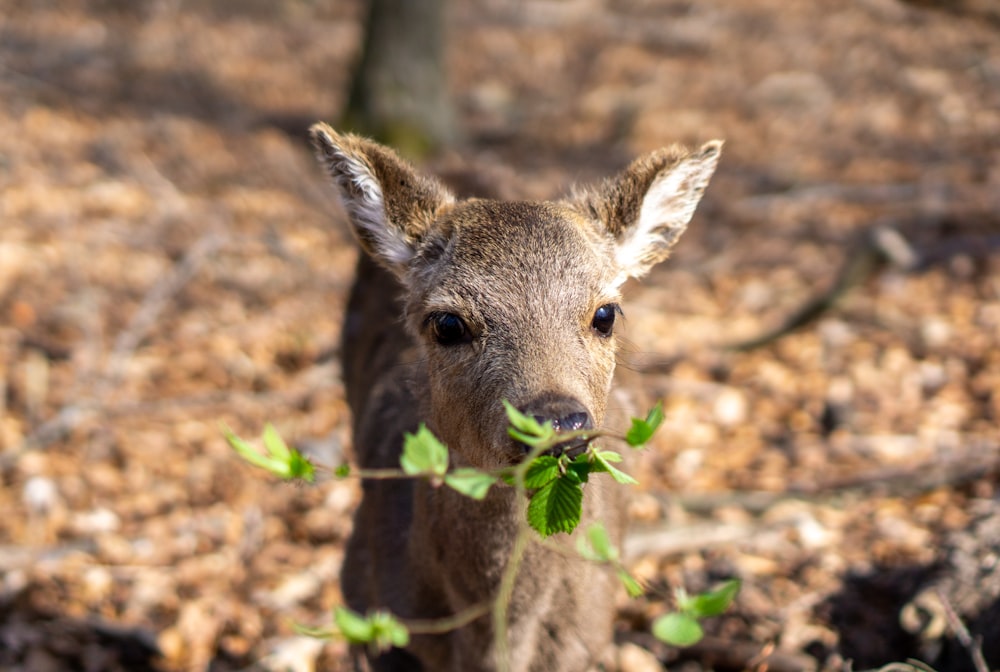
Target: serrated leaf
[616,473]
[556,507]
[424,454]
[714,602]
[642,430]
[632,585]
[542,471]
[354,627]
[470,482]
[677,629]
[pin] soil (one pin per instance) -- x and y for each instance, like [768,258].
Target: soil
[172,260]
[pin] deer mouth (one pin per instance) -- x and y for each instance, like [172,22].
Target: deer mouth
[571,447]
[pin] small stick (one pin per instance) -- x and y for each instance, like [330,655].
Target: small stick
[973,646]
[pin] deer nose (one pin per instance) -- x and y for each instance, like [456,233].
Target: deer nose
[566,415]
[567,423]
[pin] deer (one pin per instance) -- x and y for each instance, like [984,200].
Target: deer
[459,305]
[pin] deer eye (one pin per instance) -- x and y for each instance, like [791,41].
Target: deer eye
[449,329]
[604,319]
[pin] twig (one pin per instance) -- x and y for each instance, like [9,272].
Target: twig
[506,592]
[881,244]
[447,624]
[662,540]
[812,195]
[981,458]
[153,303]
[143,321]
[861,263]
[973,646]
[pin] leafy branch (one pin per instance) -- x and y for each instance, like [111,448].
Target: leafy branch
[549,483]
[555,477]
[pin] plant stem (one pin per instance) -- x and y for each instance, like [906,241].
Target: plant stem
[440,626]
[502,603]
[381,474]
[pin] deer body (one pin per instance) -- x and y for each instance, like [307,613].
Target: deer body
[457,306]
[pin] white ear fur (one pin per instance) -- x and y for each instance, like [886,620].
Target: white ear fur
[666,209]
[361,194]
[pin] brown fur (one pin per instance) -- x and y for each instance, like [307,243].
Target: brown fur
[526,280]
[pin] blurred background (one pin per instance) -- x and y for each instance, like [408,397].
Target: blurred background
[826,338]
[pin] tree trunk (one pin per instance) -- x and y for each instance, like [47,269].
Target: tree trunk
[399,93]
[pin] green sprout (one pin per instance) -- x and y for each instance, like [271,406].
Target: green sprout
[278,458]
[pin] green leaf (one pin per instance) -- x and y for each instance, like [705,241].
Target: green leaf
[299,467]
[355,628]
[632,585]
[581,466]
[278,459]
[343,471]
[380,630]
[424,454]
[604,464]
[542,471]
[274,444]
[470,482]
[525,428]
[246,451]
[556,507]
[677,629]
[529,440]
[597,534]
[714,602]
[596,545]
[642,430]
[388,631]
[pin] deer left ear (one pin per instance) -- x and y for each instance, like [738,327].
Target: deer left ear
[390,205]
[648,206]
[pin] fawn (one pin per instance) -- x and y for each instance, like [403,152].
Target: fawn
[457,306]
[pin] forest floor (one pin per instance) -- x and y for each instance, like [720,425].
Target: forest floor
[171,259]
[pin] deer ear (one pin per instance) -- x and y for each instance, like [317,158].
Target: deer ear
[389,204]
[647,207]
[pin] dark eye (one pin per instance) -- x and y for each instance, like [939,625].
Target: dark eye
[604,319]
[449,329]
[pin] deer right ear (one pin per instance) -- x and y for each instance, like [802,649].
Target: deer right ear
[389,204]
[647,207]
